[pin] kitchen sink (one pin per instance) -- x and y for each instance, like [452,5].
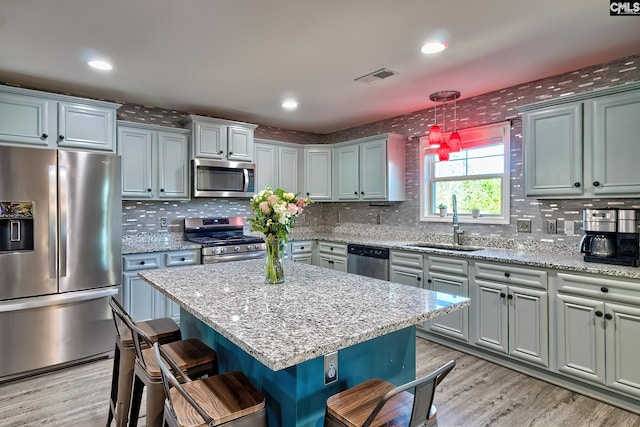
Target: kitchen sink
[446,246]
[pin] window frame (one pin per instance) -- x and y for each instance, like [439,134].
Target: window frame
[471,138]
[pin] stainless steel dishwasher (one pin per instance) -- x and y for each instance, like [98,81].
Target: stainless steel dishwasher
[368,261]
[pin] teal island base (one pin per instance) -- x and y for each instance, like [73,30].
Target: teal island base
[296,396]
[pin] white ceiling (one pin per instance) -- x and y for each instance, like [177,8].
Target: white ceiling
[239,59]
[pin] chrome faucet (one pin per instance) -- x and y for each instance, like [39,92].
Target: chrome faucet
[456,227]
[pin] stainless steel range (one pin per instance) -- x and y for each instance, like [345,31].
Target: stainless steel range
[223,239]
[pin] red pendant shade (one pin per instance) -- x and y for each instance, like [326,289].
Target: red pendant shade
[455,143]
[435,135]
[443,152]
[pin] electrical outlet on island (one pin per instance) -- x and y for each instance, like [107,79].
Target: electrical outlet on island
[330,367]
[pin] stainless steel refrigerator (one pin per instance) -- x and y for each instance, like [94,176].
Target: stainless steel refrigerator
[60,257]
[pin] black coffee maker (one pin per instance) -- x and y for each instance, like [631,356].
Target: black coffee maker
[628,237]
[611,236]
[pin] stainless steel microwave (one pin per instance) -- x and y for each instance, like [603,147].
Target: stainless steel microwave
[219,178]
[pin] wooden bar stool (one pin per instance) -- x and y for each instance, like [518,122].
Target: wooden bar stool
[191,356]
[379,403]
[163,330]
[229,399]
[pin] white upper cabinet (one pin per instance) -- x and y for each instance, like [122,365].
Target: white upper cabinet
[155,162]
[583,146]
[616,150]
[317,172]
[370,169]
[553,151]
[34,118]
[277,165]
[220,139]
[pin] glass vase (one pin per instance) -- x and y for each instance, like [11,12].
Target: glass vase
[274,271]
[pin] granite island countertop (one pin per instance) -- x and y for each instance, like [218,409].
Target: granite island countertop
[315,312]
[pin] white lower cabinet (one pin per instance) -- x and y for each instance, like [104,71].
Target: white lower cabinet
[449,277]
[511,318]
[598,331]
[141,300]
[332,255]
[302,251]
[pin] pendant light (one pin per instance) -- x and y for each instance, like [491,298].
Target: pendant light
[435,133]
[455,143]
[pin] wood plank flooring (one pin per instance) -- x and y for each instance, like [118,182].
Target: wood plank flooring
[476,393]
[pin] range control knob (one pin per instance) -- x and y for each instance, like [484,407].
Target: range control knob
[223,250]
[237,249]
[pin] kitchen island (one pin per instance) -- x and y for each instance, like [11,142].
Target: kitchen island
[278,334]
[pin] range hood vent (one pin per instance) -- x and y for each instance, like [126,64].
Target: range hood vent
[376,76]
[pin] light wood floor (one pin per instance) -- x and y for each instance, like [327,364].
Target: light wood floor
[476,393]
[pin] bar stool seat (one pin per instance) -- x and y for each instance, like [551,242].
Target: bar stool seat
[379,403]
[192,357]
[164,330]
[228,399]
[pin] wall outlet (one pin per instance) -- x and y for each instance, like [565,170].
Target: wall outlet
[163,221]
[523,225]
[330,367]
[552,226]
[569,227]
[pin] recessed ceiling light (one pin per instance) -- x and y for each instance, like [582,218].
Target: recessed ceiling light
[100,65]
[433,47]
[290,104]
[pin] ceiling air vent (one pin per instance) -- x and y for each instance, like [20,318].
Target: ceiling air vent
[376,76]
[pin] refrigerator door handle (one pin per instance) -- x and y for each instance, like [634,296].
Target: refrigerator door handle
[62,194]
[58,299]
[53,214]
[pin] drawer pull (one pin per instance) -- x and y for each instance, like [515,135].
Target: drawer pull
[507,274]
[502,295]
[576,184]
[608,316]
[604,289]
[598,313]
[429,280]
[418,278]
[141,262]
[510,296]
[183,259]
[44,136]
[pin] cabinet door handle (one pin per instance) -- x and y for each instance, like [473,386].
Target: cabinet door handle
[418,278]
[307,194]
[230,153]
[608,316]
[507,274]
[429,280]
[162,190]
[604,289]
[502,295]
[44,136]
[220,152]
[576,184]
[148,190]
[355,192]
[598,313]
[510,296]
[61,137]
[362,192]
[596,183]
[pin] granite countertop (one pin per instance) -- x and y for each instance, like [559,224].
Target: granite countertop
[531,254]
[316,311]
[528,257]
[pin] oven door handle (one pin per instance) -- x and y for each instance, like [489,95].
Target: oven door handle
[212,259]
